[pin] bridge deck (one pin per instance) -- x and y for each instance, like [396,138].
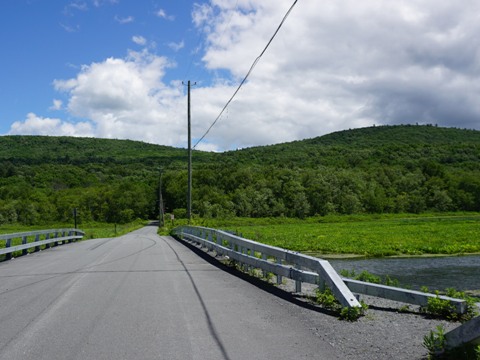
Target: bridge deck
[142,296]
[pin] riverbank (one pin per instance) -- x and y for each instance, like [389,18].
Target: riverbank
[357,256]
[436,273]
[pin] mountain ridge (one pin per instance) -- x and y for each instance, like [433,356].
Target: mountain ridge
[368,170]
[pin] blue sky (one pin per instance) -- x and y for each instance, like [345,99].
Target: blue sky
[114,68]
[48,40]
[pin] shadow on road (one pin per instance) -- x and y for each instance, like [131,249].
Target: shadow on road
[211,325]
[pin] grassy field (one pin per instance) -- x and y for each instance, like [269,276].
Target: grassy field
[92,230]
[366,235]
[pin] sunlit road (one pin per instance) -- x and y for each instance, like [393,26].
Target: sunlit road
[142,296]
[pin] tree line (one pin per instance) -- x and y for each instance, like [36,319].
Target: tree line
[394,169]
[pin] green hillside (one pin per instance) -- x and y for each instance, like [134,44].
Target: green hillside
[389,145]
[385,169]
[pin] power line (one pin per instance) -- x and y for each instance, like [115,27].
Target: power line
[248,74]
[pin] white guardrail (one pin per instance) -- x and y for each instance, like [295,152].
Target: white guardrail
[36,239]
[301,268]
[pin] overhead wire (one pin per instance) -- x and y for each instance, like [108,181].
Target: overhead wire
[248,74]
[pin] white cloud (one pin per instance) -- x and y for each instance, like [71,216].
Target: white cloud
[98,3]
[70,29]
[124,20]
[36,125]
[339,64]
[162,14]
[176,46]
[139,40]
[57,104]
[333,65]
[126,98]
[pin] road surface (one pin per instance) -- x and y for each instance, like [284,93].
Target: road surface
[143,296]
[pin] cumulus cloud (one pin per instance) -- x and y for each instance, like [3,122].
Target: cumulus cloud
[36,125]
[334,65]
[126,98]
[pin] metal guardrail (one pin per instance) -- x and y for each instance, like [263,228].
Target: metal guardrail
[36,239]
[303,268]
[467,333]
[271,259]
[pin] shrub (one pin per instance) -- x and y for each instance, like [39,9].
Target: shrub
[328,300]
[435,342]
[444,309]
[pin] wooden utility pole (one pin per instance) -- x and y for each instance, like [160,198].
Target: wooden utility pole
[161,212]
[189,191]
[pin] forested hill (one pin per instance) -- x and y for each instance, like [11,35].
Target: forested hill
[400,145]
[376,169]
[79,151]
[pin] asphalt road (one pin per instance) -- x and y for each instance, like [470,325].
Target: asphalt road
[142,296]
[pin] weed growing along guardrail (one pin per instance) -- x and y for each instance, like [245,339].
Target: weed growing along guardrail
[437,345]
[438,307]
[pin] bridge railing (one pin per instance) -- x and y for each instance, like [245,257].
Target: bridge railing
[11,243]
[280,262]
[302,268]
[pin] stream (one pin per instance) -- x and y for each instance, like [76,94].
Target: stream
[437,273]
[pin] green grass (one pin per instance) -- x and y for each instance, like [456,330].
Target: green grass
[367,235]
[92,230]
[103,230]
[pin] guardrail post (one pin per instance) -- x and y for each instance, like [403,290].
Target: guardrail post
[321,284]
[8,256]
[264,272]
[279,277]
[24,242]
[298,284]
[341,292]
[47,237]
[37,239]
